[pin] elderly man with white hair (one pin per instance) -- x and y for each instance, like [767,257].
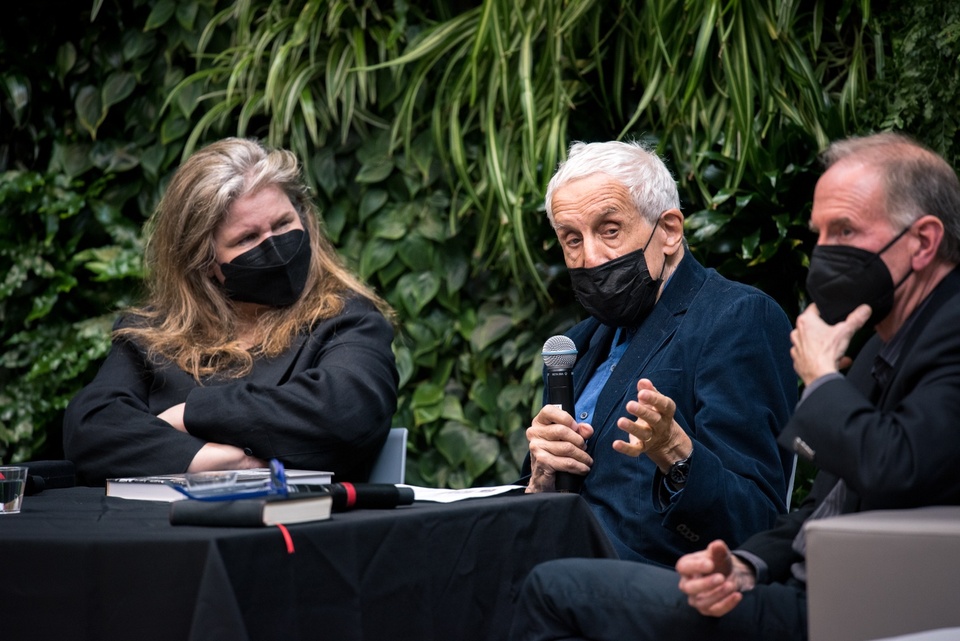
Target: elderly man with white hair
[682,381]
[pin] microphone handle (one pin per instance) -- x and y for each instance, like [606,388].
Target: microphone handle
[349,496]
[560,393]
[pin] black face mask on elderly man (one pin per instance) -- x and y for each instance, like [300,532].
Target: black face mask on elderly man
[841,278]
[620,292]
[273,273]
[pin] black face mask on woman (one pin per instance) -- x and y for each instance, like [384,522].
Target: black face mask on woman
[841,278]
[620,292]
[273,273]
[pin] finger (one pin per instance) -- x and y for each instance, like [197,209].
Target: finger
[654,401]
[560,454]
[645,384]
[721,557]
[858,317]
[585,430]
[634,448]
[640,429]
[548,463]
[557,440]
[695,564]
[555,432]
[553,415]
[700,588]
[644,411]
[723,606]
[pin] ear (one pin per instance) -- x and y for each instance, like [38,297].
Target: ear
[671,225]
[929,232]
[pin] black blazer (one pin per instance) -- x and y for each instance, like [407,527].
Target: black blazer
[901,451]
[326,403]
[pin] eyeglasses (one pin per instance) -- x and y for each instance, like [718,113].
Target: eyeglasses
[234,484]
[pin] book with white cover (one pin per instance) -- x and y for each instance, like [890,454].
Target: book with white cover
[156,488]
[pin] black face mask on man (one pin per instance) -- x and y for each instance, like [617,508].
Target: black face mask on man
[273,273]
[841,278]
[620,292]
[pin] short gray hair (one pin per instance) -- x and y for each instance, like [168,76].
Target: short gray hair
[651,185]
[916,181]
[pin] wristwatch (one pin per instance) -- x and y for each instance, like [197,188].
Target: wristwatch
[677,476]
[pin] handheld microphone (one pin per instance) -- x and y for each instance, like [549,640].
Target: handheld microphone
[559,356]
[360,496]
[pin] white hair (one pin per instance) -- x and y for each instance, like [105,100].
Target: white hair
[651,185]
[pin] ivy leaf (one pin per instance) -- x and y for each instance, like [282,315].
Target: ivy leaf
[160,14]
[371,202]
[90,111]
[460,445]
[375,170]
[404,361]
[66,60]
[749,246]
[187,15]
[390,225]
[117,87]
[418,289]
[490,330]
[376,254]
[416,252]
[172,129]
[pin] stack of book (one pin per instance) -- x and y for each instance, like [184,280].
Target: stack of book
[253,512]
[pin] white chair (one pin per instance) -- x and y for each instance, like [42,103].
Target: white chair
[391,463]
[873,575]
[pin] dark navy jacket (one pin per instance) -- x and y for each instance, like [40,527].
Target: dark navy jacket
[721,351]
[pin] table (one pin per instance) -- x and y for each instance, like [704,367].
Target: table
[80,565]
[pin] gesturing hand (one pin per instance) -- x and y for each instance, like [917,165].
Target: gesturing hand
[714,579]
[654,432]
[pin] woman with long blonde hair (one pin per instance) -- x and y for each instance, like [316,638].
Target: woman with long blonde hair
[254,341]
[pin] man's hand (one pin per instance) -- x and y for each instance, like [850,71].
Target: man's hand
[714,579]
[654,432]
[819,348]
[557,444]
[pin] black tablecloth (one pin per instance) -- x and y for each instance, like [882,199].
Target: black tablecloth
[75,564]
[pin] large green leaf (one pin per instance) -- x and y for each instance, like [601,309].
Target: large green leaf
[418,289]
[90,111]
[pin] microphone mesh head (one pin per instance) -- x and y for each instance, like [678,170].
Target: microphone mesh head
[559,352]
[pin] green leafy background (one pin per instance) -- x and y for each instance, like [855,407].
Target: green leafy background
[428,131]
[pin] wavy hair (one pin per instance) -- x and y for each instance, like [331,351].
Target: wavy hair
[651,185]
[187,317]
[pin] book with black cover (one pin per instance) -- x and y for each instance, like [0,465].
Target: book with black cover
[269,510]
[155,488]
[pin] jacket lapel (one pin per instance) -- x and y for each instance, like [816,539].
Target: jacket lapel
[948,288]
[650,338]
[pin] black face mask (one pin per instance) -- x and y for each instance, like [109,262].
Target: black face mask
[273,273]
[620,292]
[842,278]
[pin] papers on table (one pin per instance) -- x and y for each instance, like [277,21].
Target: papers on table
[442,495]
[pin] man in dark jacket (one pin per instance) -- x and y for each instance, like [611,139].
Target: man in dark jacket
[887,215]
[682,379]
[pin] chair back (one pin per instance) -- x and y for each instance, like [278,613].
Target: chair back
[391,464]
